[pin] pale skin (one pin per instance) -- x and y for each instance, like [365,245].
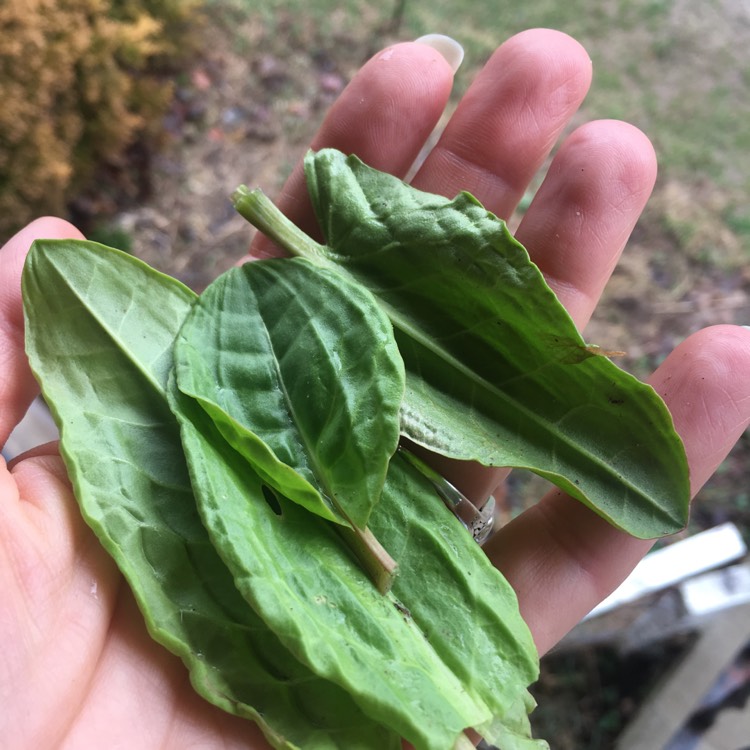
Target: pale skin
[77,668]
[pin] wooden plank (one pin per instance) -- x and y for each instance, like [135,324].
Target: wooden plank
[677,562]
[730,732]
[667,710]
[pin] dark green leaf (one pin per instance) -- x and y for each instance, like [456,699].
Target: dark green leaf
[300,371]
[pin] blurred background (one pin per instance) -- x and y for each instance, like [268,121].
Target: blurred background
[137,118]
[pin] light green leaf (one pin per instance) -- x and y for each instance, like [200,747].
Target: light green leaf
[480,634]
[496,370]
[100,329]
[300,372]
[427,665]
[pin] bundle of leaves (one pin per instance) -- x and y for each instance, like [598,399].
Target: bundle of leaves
[237,454]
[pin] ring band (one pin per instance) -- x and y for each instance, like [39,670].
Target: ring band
[477,521]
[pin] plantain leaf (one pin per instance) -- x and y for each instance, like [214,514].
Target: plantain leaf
[100,327]
[300,371]
[496,370]
[480,636]
[451,654]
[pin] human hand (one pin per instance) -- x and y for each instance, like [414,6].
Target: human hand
[561,558]
[79,668]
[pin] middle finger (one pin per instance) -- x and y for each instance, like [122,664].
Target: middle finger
[585,210]
[509,120]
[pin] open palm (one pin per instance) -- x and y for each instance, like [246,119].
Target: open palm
[77,668]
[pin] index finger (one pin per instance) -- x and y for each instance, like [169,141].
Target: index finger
[384,116]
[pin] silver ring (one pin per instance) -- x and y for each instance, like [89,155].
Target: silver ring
[477,521]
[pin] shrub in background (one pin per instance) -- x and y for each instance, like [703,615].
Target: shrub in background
[81,81]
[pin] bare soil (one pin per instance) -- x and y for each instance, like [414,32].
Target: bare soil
[243,115]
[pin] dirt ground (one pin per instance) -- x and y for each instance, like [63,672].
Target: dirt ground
[242,116]
[245,113]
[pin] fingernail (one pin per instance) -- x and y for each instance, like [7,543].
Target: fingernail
[449,48]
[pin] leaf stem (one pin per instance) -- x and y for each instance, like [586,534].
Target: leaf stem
[374,558]
[264,215]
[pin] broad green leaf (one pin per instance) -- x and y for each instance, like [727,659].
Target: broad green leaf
[496,370]
[300,372]
[480,636]
[427,665]
[100,329]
